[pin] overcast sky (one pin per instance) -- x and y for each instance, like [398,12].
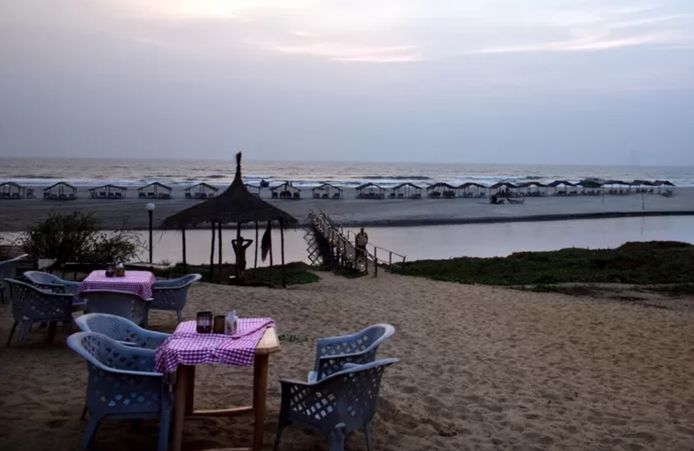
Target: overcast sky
[485,81]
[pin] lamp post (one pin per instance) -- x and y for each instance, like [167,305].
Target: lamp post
[150,211]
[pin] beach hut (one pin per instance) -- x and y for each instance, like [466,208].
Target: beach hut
[12,190]
[108,192]
[561,187]
[254,189]
[327,191]
[370,191]
[285,191]
[234,206]
[616,186]
[472,189]
[504,189]
[201,191]
[668,184]
[441,191]
[60,191]
[154,190]
[591,187]
[406,190]
[531,189]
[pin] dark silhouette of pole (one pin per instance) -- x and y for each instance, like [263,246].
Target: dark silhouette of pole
[151,214]
[150,211]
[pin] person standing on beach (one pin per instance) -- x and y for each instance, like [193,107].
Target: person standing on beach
[360,242]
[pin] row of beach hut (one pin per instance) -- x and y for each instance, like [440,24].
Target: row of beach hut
[524,189]
[66,191]
[286,190]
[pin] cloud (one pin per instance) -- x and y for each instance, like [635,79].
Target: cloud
[586,44]
[336,51]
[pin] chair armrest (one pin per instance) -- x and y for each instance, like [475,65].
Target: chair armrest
[343,356]
[133,373]
[285,381]
[49,286]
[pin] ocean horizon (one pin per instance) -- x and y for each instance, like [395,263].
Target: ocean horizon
[135,172]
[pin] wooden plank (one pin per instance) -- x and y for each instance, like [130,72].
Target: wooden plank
[183,374]
[228,412]
[269,343]
[260,366]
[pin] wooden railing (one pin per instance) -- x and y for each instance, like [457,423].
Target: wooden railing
[340,246]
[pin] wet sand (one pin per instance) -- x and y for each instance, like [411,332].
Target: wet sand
[481,368]
[15,215]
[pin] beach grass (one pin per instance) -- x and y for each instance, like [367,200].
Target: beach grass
[296,273]
[641,263]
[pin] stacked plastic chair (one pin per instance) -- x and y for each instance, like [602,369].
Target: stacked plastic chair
[122,384]
[341,403]
[120,329]
[333,352]
[32,305]
[341,393]
[8,270]
[172,294]
[122,303]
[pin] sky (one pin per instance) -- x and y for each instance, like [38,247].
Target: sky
[475,81]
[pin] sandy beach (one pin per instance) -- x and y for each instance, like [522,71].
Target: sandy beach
[15,215]
[481,368]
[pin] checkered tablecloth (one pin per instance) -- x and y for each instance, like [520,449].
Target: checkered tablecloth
[139,282]
[187,347]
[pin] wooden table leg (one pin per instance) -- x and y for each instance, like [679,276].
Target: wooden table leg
[190,389]
[183,375]
[259,396]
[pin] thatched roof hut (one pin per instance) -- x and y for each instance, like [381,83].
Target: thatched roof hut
[327,191]
[108,191]
[370,191]
[154,190]
[406,190]
[471,189]
[13,190]
[60,191]
[235,205]
[441,190]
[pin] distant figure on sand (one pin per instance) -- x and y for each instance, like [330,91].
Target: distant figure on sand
[360,242]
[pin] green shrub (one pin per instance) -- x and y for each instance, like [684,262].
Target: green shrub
[76,237]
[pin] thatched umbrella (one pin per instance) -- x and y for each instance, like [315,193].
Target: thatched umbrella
[235,205]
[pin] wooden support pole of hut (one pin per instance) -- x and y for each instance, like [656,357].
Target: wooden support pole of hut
[183,244]
[284,276]
[239,249]
[270,268]
[219,239]
[212,253]
[255,263]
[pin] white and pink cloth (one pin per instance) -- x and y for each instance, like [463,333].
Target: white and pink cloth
[138,282]
[187,347]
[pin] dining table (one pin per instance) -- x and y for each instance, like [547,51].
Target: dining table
[254,340]
[138,282]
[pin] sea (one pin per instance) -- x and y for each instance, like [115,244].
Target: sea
[135,172]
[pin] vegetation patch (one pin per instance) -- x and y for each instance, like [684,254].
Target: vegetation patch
[77,237]
[675,290]
[296,273]
[639,263]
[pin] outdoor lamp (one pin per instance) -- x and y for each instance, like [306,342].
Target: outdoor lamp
[150,210]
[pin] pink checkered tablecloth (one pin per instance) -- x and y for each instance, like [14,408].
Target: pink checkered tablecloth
[139,282]
[187,347]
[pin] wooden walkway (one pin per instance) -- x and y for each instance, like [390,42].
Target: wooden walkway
[329,245]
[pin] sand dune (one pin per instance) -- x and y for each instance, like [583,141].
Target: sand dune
[482,368]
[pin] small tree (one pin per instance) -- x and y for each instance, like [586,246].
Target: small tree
[76,237]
